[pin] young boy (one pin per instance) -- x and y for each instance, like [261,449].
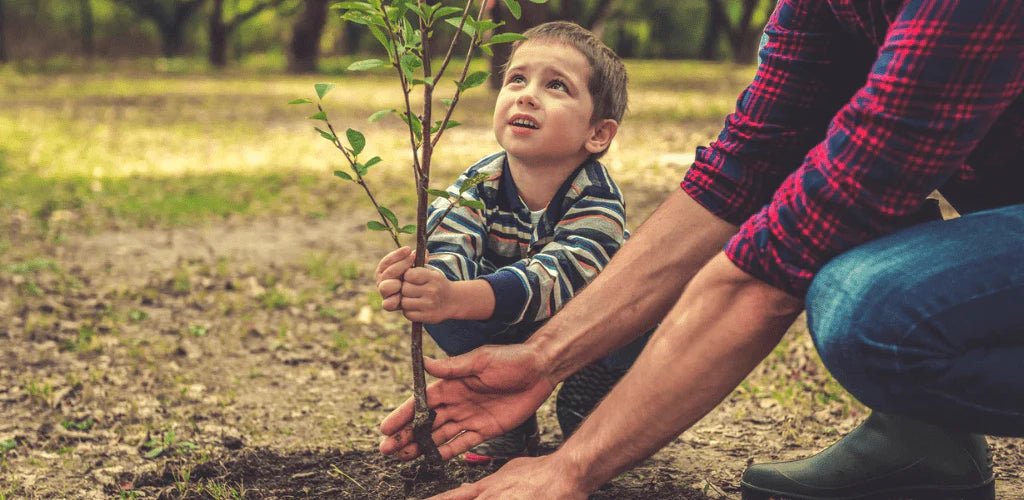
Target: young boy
[552,218]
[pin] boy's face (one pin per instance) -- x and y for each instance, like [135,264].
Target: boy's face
[543,112]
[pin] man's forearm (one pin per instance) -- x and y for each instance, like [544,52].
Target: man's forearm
[723,325]
[636,289]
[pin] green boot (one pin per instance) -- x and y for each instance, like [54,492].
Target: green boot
[887,456]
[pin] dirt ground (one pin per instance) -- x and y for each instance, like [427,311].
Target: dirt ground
[249,359]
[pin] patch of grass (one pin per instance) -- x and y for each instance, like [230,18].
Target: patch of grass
[8,445]
[167,444]
[197,331]
[78,425]
[41,392]
[83,340]
[275,299]
[224,491]
[137,316]
[32,266]
[340,342]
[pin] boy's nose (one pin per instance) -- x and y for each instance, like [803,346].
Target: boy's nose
[526,99]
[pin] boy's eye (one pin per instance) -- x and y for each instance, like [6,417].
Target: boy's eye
[516,79]
[558,85]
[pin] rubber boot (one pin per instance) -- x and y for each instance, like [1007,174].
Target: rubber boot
[887,456]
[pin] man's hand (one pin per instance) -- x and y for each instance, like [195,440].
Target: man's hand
[524,479]
[427,296]
[389,276]
[482,394]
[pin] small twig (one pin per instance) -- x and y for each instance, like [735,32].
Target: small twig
[350,478]
[393,231]
[455,39]
[441,219]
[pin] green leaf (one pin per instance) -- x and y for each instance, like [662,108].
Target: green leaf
[423,81]
[326,135]
[360,169]
[439,193]
[361,6]
[447,102]
[467,28]
[356,140]
[486,49]
[373,161]
[413,122]
[389,215]
[300,101]
[155,452]
[377,115]
[450,124]
[322,89]
[365,65]
[410,63]
[383,40]
[539,1]
[376,226]
[474,80]
[472,181]
[444,12]
[514,8]
[486,25]
[410,229]
[343,175]
[476,204]
[319,116]
[505,38]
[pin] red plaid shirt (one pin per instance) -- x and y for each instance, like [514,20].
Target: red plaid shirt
[859,110]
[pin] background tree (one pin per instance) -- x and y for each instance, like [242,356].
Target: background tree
[304,50]
[741,34]
[3,44]
[88,27]
[220,29]
[590,14]
[171,18]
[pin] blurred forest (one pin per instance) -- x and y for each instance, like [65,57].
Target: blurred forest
[294,35]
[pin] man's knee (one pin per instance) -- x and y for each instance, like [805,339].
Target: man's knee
[853,313]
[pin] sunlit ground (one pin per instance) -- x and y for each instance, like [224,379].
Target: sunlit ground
[120,143]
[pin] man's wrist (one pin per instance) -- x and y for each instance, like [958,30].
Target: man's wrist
[576,470]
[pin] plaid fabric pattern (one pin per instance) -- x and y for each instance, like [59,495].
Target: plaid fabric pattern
[533,269]
[858,111]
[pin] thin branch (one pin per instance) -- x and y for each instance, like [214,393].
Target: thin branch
[393,231]
[451,206]
[455,39]
[399,40]
[462,78]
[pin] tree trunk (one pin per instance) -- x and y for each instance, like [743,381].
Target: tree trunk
[88,27]
[218,36]
[305,47]
[3,45]
[533,14]
[743,37]
[713,31]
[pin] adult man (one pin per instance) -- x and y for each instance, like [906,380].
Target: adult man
[858,111]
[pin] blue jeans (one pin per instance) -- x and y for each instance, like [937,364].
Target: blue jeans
[929,322]
[456,337]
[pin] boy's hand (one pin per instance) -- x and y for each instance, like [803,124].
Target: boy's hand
[427,296]
[389,276]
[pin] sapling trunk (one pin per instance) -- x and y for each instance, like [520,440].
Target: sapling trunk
[408,51]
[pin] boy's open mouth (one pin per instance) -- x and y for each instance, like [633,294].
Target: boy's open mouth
[524,122]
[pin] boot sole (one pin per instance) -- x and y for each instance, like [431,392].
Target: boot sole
[985,491]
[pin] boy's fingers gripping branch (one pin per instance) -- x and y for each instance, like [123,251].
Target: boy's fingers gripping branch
[389,276]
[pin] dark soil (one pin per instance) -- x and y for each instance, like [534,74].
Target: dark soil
[253,348]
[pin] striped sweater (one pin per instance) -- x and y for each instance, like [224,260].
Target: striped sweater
[534,269]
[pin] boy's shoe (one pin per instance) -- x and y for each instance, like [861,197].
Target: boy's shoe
[888,456]
[523,441]
[581,392]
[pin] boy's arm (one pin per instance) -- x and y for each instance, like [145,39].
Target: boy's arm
[588,234]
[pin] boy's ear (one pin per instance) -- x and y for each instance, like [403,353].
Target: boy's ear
[601,135]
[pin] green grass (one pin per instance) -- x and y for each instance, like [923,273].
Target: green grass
[169,142]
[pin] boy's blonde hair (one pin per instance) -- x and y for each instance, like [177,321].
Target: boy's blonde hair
[607,82]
